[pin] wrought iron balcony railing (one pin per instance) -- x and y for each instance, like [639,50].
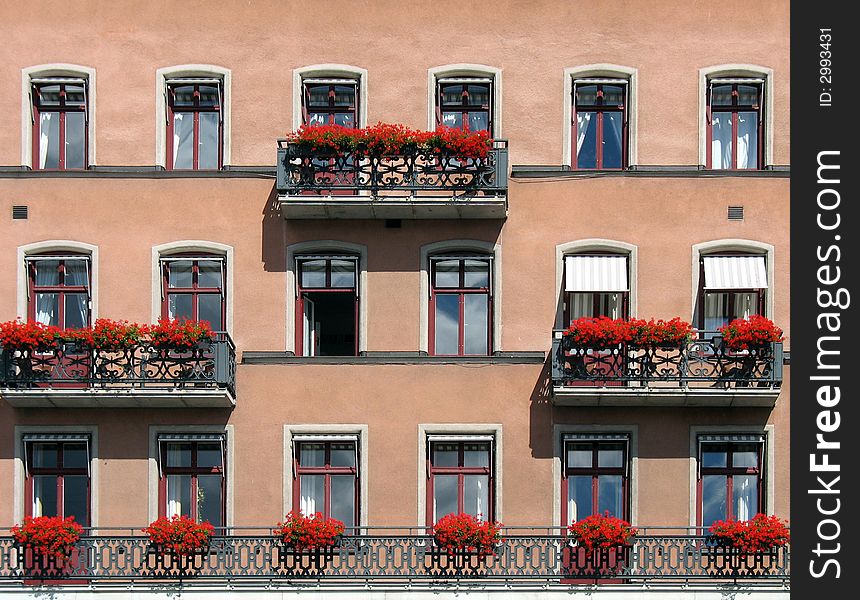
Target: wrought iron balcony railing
[388,555]
[72,366]
[703,362]
[303,172]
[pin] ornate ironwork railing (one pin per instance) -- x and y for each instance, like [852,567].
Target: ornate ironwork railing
[71,365]
[548,558]
[303,172]
[703,362]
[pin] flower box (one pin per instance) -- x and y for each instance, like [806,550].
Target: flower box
[178,543]
[459,533]
[600,547]
[603,332]
[306,543]
[46,547]
[752,333]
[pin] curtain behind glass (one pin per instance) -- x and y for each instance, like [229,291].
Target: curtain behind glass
[183,138]
[721,140]
[49,140]
[747,140]
[582,122]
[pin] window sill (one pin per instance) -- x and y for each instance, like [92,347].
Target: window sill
[565,172]
[390,358]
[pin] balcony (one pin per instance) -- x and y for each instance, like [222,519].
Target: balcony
[416,185]
[74,376]
[398,556]
[701,372]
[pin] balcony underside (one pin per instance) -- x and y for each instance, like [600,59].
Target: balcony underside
[663,396]
[393,207]
[179,397]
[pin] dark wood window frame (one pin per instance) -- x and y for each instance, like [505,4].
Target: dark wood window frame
[733,312]
[327,470]
[61,289]
[302,291]
[60,472]
[595,471]
[63,109]
[193,471]
[734,109]
[461,291]
[196,109]
[463,106]
[195,290]
[600,108]
[461,471]
[332,109]
[729,471]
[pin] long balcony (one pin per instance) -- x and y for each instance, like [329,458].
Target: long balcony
[701,372]
[526,556]
[417,185]
[74,376]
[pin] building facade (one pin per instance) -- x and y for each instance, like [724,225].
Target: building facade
[390,343]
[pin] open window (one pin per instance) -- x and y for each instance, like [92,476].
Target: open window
[733,286]
[596,285]
[327,305]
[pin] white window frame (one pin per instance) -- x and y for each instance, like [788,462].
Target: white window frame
[466,70]
[335,71]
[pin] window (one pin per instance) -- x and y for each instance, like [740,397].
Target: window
[595,476]
[465,103]
[60,123]
[192,476]
[195,123]
[730,477]
[57,476]
[734,123]
[59,290]
[330,102]
[327,305]
[326,476]
[596,285]
[599,123]
[733,286]
[460,476]
[460,305]
[193,289]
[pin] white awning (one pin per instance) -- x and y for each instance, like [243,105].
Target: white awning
[595,274]
[323,437]
[731,437]
[735,273]
[595,437]
[458,438]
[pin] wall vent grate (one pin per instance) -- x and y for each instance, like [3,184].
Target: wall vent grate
[20,212]
[736,213]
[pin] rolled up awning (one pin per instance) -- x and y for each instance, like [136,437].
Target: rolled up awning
[735,273]
[596,274]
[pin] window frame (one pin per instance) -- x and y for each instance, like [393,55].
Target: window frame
[326,470]
[162,439]
[441,107]
[60,289]
[734,109]
[301,291]
[60,471]
[729,471]
[600,109]
[595,471]
[194,291]
[332,109]
[761,294]
[36,83]
[596,300]
[461,471]
[461,291]
[171,83]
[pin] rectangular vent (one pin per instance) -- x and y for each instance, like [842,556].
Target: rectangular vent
[392,223]
[736,213]
[20,212]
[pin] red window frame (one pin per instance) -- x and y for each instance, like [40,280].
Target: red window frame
[595,471]
[461,471]
[196,110]
[461,291]
[195,290]
[332,109]
[729,470]
[302,291]
[60,471]
[734,109]
[63,109]
[463,106]
[193,471]
[61,289]
[733,312]
[599,108]
[327,470]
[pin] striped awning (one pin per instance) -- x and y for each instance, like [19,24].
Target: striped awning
[595,274]
[735,272]
[731,437]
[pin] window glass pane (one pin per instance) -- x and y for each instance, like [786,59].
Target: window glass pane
[581,304]
[610,495]
[580,455]
[312,494]
[75,95]
[579,504]
[476,495]
[209,499]
[748,95]
[48,309]
[208,454]
[612,140]
[76,272]
[75,140]
[342,273]
[75,498]
[77,312]
[315,119]
[609,305]
[344,119]
[745,455]
[179,307]
[721,95]
[476,454]
[312,454]
[178,454]
[475,328]
[610,455]
[209,274]
[747,140]
[479,95]
[745,496]
[49,140]
[477,273]
[49,95]
[317,95]
[208,95]
[716,310]
[447,273]
[586,140]
[75,456]
[183,95]
[713,499]
[44,496]
[452,119]
[445,454]
[44,455]
[444,495]
[714,455]
[721,140]
[313,273]
[586,95]
[613,95]
[183,140]
[447,323]
[208,146]
[178,495]
[452,94]
[344,95]
[343,454]
[479,121]
[209,309]
[343,499]
[746,304]
[179,274]
[47,272]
